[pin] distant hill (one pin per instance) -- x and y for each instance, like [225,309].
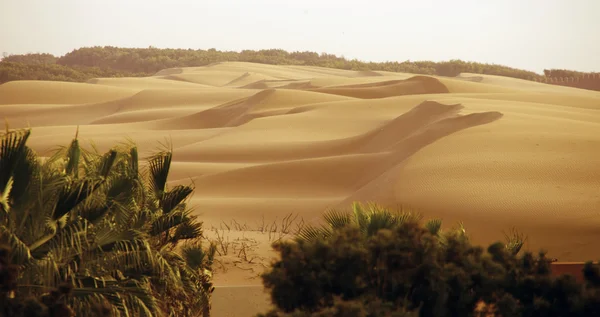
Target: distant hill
[86,63]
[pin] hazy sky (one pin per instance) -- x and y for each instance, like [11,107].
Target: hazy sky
[529,34]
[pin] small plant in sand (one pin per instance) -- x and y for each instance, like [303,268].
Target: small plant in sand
[104,225]
[239,245]
[373,262]
[278,230]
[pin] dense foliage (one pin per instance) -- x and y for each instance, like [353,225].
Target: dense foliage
[51,304]
[89,62]
[103,225]
[565,73]
[376,263]
[10,71]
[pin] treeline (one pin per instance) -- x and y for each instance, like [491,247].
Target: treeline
[10,71]
[89,62]
[584,81]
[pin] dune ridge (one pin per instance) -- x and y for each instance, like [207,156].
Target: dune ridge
[261,141]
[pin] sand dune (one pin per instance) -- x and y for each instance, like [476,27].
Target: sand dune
[263,141]
[412,86]
[41,92]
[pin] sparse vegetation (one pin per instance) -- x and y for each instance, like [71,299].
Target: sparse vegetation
[89,62]
[103,225]
[236,243]
[372,262]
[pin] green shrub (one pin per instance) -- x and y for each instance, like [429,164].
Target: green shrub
[104,225]
[408,268]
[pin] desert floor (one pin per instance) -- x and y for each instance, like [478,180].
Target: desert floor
[271,147]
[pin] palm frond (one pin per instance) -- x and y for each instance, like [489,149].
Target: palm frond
[145,301]
[72,194]
[514,241]
[26,175]
[134,161]
[336,219]
[461,229]
[159,171]
[89,290]
[164,223]
[107,162]
[186,231]
[21,253]
[174,197]
[409,217]
[434,226]
[121,192]
[73,155]
[312,233]
[380,219]
[12,150]
[361,216]
[47,271]
[66,243]
[94,214]
[195,256]
[107,238]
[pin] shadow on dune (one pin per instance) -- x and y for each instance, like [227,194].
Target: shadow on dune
[265,103]
[230,114]
[416,85]
[340,167]
[241,111]
[425,121]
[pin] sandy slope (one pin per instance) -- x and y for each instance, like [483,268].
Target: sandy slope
[263,141]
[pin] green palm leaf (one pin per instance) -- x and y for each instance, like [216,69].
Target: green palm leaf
[107,238]
[94,214]
[159,171]
[164,223]
[72,194]
[21,253]
[12,150]
[434,226]
[360,215]
[311,233]
[409,217]
[186,231]
[66,243]
[195,256]
[514,241]
[336,219]
[134,161]
[25,174]
[73,155]
[107,162]
[380,219]
[174,197]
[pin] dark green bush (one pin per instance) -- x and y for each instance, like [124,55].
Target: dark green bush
[410,269]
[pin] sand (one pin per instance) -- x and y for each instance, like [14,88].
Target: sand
[262,142]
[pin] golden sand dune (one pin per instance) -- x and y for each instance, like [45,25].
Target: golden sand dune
[50,92]
[264,141]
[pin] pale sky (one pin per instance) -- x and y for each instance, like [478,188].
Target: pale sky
[527,34]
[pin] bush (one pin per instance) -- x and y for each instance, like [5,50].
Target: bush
[102,226]
[52,304]
[406,269]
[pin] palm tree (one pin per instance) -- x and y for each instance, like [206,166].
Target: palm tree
[104,225]
[371,217]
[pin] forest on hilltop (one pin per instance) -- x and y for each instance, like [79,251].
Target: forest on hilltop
[86,63]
